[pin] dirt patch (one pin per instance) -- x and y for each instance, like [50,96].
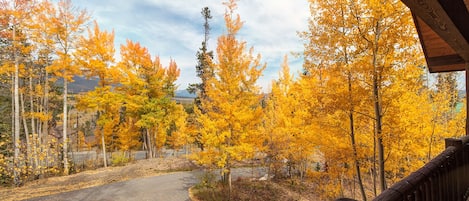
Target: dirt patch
[86,179]
[252,190]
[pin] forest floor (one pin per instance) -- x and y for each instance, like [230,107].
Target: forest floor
[253,190]
[97,177]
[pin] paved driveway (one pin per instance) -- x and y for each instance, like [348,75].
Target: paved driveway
[168,187]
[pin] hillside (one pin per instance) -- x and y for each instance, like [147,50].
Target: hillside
[82,84]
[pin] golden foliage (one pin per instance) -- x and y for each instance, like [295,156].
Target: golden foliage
[230,124]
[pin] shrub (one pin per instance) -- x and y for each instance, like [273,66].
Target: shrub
[207,181]
[119,159]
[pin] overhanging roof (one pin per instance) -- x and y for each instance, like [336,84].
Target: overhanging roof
[443,28]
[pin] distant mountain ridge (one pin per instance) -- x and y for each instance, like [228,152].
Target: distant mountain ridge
[82,84]
[184,94]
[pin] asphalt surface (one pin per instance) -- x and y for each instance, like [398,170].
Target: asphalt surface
[168,187]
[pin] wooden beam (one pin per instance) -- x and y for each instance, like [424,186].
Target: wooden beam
[445,60]
[431,40]
[459,14]
[435,16]
[446,68]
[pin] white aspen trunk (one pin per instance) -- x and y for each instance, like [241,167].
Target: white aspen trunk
[31,105]
[64,126]
[12,114]
[16,98]
[104,149]
[44,131]
[45,127]
[149,145]
[229,182]
[26,131]
[33,124]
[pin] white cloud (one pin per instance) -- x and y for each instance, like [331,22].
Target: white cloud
[173,29]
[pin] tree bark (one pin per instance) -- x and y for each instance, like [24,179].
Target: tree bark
[103,144]
[64,128]
[229,182]
[378,131]
[352,138]
[31,105]
[149,145]
[16,139]
[33,123]
[44,133]
[377,104]
[373,172]
[352,122]
[26,132]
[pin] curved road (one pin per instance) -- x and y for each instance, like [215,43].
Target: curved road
[168,187]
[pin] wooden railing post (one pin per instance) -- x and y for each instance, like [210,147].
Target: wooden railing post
[459,173]
[446,177]
[465,170]
[464,167]
[455,142]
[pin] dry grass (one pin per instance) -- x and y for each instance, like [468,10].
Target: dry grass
[254,191]
[86,179]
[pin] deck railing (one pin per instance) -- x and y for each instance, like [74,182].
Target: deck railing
[446,177]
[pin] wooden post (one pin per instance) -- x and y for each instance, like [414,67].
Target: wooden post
[467,98]
[455,142]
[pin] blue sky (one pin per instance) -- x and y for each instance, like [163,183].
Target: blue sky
[174,29]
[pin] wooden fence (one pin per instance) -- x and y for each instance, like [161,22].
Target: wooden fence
[446,177]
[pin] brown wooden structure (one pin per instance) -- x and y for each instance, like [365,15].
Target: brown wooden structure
[443,28]
[443,178]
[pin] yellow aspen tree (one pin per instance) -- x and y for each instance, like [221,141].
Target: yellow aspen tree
[277,141]
[23,19]
[108,105]
[230,126]
[289,129]
[277,121]
[128,135]
[456,125]
[33,40]
[330,38]
[445,112]
[178,136]
[381,37]
[407,118]
[148,87]
[95,55]
[41,42]
[28,94]
[67,24]
[387,36]
[324,90]
[15,17]
[135,58]
[43,38]
[160,101]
